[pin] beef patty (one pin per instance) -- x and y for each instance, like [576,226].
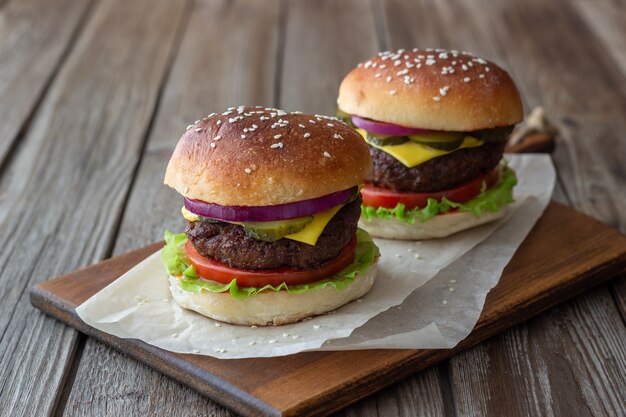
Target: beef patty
[229,244]
[438,174]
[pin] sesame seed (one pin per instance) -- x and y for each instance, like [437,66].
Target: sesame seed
[466,79]
[383,66]
[451,289]
[486,69]
[312,121]
[481,76]
[219,122]
[337,136]
[295,336]
[196,122]
[453,281]
[273,341]
[417,256]
[359,300]
[326,154]
[248,170]
[195,351]
[437,98]
[189,127]
[217,324]
[218,137]
[377,75]
[213,145]
[285,334]
[276,145]
[252,343]
[388,78]
[316,326]
[243,136]
[430,61]
[306,135]
[442,91]
[330,125]
[444,302]
[464,67]
[199,129]
[301,125]
[392,92]
[174,335]
[253,327]
[278,136]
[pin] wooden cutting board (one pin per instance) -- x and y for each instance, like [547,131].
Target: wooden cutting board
[566,253]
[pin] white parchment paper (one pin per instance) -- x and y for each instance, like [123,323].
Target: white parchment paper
[428,294]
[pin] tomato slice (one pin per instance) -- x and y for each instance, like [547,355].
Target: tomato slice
[380,197]
[213,270]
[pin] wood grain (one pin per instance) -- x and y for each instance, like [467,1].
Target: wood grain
[67,184]
[198,85]
[549,72]
[34,36]
[545,270]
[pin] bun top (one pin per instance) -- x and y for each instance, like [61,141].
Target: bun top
[256,156]
[432,89]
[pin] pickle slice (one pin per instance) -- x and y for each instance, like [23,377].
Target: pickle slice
[444,141]
[274,230]
[386,140]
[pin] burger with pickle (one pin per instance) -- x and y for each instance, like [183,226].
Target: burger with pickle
[436,123]
[272,202]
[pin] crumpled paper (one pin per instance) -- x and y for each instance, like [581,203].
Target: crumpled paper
[428,294]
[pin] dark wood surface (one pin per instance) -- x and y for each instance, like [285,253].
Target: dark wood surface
[95,94]
[548,268]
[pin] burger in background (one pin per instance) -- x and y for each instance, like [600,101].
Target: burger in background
[272,204]
[436,123]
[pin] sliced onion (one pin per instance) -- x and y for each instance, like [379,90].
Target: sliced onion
[386,129]
[268,213]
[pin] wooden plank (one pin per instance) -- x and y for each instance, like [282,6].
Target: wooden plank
[34,36]
[323,41]
[564,254]
[198,85]
[68,181]
[539,368]
[607,19]
[528,40]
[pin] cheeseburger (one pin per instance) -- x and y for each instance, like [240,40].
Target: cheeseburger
[436,123]
[272,202]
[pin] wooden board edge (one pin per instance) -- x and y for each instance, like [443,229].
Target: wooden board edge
[419,360]
[169,363]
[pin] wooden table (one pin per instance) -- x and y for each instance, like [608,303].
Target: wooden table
[95,95]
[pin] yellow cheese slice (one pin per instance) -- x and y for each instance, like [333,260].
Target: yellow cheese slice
[308,235]
[313,230]
[412,154]
[189,216]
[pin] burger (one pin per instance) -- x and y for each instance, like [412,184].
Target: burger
[271,201]
[436,123]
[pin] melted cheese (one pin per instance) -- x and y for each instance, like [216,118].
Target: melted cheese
[313,230]
[412,154]
[189,216]
[308,235]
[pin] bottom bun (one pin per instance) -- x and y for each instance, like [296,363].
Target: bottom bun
[439,226]
[271,307]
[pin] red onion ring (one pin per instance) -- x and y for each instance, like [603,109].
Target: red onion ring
[268,213]
[387,129]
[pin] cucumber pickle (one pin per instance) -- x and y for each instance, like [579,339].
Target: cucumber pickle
[274,230]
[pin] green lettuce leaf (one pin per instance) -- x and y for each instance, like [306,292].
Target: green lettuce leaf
[489,200]
[175,261]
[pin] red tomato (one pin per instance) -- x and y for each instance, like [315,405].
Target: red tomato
[213,270]
[380,197]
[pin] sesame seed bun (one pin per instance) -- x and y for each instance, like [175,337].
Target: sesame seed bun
[437,227]
[432,89]
[271,308]
[255,156]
